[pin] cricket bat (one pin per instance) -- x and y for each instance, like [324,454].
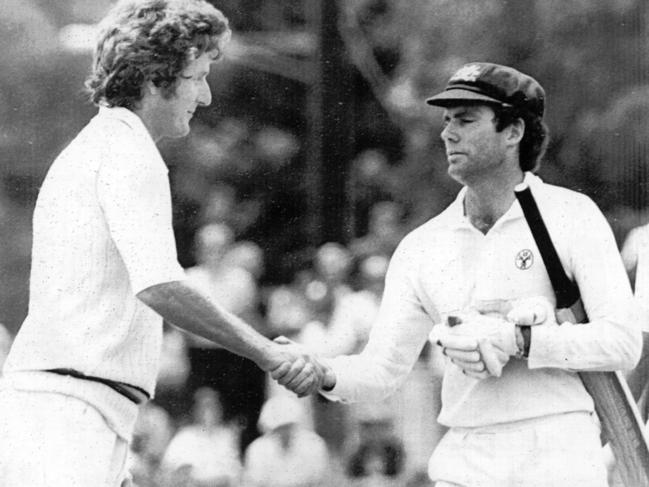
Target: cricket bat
[622,426]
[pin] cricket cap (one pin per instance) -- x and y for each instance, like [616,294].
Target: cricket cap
[492,83]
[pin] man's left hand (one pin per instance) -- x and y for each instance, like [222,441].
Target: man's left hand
[479,345]
[485,338]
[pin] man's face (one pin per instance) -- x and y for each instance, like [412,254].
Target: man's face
[192,90]
[474,148]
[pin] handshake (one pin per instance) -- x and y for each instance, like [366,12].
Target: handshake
[299,370]
[481,340]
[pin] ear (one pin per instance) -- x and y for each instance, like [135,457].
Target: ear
[150,88]
[516,131]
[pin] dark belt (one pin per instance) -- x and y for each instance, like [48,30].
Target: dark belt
[134,394]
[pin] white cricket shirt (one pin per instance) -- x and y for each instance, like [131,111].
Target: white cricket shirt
[447,264]
[102,232]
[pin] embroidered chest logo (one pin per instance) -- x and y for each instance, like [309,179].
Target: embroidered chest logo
[524,259]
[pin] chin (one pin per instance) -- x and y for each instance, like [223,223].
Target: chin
[179,132]
[457,175]
[454,171]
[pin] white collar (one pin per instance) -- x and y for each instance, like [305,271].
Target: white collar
[128,117]
[457,218]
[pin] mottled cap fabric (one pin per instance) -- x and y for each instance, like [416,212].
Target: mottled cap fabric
[492,83]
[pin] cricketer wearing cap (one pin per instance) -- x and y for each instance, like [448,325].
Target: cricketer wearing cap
[517,411]
[104,260]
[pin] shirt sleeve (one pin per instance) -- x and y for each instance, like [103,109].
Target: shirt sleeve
[396,340]
[611,340]
[134,195]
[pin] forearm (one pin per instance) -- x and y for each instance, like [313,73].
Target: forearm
[191,310]
[365,377]
[598,345]
[610,338]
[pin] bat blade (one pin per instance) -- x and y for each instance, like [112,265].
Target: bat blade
[621,424]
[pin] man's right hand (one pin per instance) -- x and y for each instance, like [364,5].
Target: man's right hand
[298,370]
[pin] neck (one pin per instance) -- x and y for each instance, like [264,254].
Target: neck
[148,119]
[490,198]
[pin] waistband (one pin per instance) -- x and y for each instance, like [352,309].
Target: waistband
[133,393]
[120,413]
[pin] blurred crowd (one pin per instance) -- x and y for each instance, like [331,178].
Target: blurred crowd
[218,421]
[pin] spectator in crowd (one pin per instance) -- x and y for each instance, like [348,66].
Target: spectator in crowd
[246,255]
[378,458]
[354,314]
[288,314]
[237,379]
[635,255]
[223,205]
[328,279]
[219,205]
[419,478]
[325,285]
[385,231]
[153,431]
[287,454]
[207,449]
[173,372]
[219,274]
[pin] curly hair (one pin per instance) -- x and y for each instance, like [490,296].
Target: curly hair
[535,138]
[152,40]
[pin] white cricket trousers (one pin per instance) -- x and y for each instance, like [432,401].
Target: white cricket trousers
[562,450]
[49,439]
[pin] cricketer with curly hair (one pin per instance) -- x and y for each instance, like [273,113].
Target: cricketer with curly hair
[104,265]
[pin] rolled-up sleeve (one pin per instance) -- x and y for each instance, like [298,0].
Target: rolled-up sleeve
[134,194]
[396,340]
[611,340]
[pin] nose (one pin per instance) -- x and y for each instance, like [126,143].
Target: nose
[448,134]
[204,94]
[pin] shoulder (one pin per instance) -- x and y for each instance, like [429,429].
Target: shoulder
[427,240]
[560,197]
[124,138]
[433,228]
[567,208]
